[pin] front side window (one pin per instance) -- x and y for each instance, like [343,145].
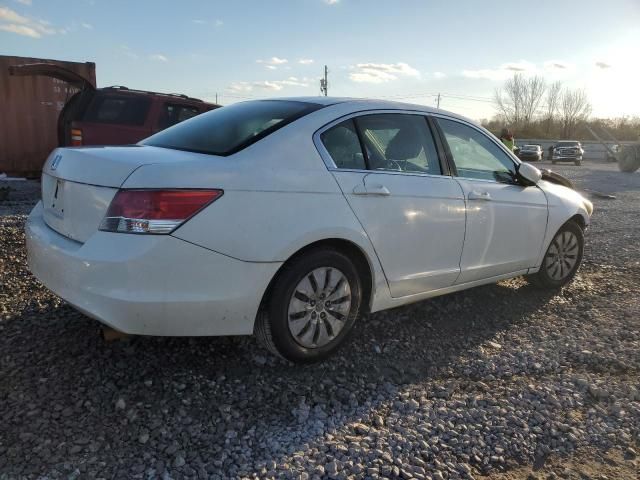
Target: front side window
[475,155]
[341,141]
[226,130]
[398,142]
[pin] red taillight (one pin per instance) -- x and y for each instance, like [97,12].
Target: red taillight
[154,211]
[76,137]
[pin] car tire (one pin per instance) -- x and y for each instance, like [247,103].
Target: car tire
[299,322]
[553,162]
[562,259]
[578,163]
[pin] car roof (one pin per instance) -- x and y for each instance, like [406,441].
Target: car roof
[371,104]
[119,89]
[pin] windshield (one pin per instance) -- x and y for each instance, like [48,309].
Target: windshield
[530,147]
[568,144]
[229,129]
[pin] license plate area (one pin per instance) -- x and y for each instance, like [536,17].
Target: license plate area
[56,201]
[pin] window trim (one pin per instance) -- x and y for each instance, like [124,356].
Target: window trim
[331,166]
[510,155]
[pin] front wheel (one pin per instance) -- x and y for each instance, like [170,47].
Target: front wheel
[562,259]
[314,303]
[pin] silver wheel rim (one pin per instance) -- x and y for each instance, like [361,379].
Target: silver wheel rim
[562,255]
[319,307]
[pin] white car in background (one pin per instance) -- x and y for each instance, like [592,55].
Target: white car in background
[290,218]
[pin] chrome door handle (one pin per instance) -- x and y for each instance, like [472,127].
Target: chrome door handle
[476,195]
[372,190]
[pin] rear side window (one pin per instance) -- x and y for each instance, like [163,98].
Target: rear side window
[122,110]
[172,114]
[226,130]
[343,145]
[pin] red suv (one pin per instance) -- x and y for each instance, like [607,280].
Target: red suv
[113,115]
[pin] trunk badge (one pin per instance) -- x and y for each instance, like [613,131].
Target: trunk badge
[56,161]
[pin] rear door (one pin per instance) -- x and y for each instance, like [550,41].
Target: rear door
[388,168]
[506,221]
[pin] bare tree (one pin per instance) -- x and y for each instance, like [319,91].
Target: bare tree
[534,91]
[518,100]
[574,108]
[553,101]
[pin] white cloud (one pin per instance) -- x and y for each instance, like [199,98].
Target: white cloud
[88,26]
[20,30]
[439,75]
[504,71]
[215,23]
[556,65]
[273,61]
[602,65]
[272,85]
[271,67]
[381,72]
[331,2]
[24,2]
[158,57]
[128,52]
[305,61]
[11,21]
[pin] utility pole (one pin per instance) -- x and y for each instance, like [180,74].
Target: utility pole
[324,86]
[216,98]
[438,101]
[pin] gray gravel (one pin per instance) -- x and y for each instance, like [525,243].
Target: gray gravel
[502,381]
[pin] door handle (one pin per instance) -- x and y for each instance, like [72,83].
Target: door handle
[476,195]
[372,190]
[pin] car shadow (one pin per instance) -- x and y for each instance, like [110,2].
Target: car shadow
[181,389]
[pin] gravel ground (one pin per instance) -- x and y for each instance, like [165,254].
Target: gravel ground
[502,381]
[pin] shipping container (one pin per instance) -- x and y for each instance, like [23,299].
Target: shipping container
[29,109]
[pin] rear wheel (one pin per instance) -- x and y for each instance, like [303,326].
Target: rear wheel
[562,259]
[314,303]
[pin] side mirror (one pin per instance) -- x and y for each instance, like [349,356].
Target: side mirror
[529,174]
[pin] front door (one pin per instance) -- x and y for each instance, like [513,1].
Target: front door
[506,221]
[388,168]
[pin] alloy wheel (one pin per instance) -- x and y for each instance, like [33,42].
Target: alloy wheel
[562,256]
[319,307]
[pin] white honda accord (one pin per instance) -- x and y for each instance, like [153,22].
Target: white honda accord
[290,218]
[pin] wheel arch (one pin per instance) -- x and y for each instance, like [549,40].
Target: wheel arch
[355,252]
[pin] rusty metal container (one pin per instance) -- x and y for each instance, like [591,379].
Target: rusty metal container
[29,109]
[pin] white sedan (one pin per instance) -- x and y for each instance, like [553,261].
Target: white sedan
[291,218]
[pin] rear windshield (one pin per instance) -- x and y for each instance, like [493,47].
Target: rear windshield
[227,130]
[118,109]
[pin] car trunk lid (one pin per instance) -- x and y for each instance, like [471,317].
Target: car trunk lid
[78,184]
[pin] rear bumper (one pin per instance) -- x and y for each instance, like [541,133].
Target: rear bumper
[148,284]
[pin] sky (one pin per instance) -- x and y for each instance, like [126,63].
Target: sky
[405,50]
